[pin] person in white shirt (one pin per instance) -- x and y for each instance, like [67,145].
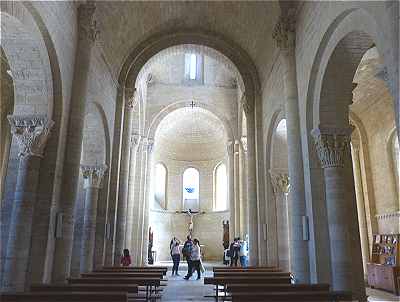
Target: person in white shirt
[243,253]
[196,259]
[176,255]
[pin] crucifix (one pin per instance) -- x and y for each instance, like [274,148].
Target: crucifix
[192,104]
[191,214]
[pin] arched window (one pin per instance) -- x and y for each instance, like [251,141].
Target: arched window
[396,159]
[220,188]
[191,186]
[160,185]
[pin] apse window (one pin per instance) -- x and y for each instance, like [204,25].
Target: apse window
[192,66]
[396,159]
[160,185]
[190,190]
[220,188]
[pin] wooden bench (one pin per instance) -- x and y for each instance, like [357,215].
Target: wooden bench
[132,290]
[293,296]
[148,282]
[249,287]
[133,270]
[64,297]
[85,287]
[123,275]
[224,281]
[248,269]
[251,274]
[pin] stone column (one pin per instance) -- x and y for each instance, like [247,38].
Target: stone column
[281,187]
[122,204]
[231,190]
[92,178]
[244,224]
[236,186]
[362,220]
[284,34]
[31,133]
[137,204]
[135,140]
[87,34]
[251,183]
[146,200]
[332,145]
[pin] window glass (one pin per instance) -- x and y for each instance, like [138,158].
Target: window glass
[160,184]
[220,188]
[191,189]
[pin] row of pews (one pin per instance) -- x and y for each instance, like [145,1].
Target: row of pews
[267,284]
[109,284]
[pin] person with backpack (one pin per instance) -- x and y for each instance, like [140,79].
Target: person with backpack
[195,258]
[187,253]
[234,251]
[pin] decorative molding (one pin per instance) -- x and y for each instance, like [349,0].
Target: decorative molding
[147,144]
[93,175]
[332,145]
[284,32]
[388,215]
[244,143]
[88,29]
[31,133]
[280,181]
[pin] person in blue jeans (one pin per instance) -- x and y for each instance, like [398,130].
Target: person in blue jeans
[176,257]
[243,253]
[187,253]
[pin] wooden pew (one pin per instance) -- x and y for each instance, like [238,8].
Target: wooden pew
[292,296]
[132,289]
[252,274]
[224,281]
[64,297]
[133,270]
[123,275]
[246,269]
[248,287]
[148,282]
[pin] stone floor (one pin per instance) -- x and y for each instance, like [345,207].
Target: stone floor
[180,290]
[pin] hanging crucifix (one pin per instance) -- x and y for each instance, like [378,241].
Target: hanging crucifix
[191,214]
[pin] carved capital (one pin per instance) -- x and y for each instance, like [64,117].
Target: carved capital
[31,133]
[284,32]
[93,175]
[332,145]
[230,147]
[280,181]
[244,143]
[147,144]
[88,29]
[245,105]
[135,140]
[131,98]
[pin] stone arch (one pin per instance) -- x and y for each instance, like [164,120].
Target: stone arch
[276,201]
[181,104]
[329,95]
[392,164]
[34,67]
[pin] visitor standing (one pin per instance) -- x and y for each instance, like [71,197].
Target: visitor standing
[243,253]
[176,256]
[234,251]
[195,259]
[187,253]
[126,258]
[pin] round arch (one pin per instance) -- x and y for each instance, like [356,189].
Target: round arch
[181,104]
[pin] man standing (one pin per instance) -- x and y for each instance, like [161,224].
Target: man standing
[187,253]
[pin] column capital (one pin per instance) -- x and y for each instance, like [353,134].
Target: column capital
[147,144]
[280,181]
[130,98]
[135,140]
[31,133]
[284,32]
[93,175]
[247,108]
[230,147]
[332,144]
[244,143]
[88,29]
